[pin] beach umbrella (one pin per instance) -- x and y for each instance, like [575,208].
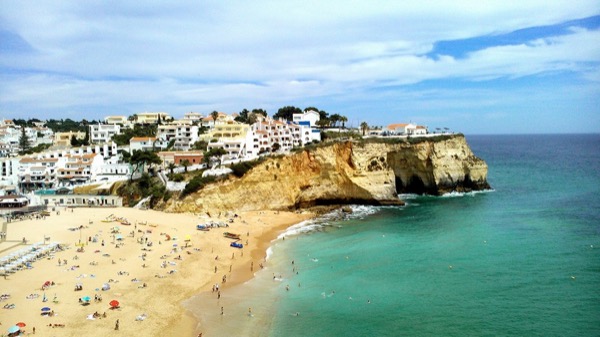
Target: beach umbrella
[188,237]
[46,309]
[21,324]
[86,298]
[14,329]
[114,303]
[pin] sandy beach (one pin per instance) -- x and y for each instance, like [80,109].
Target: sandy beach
[151,265]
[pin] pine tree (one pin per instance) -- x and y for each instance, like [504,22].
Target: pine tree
[24,141]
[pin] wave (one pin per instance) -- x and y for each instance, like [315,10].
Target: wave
[408,196]
[331,219]
[455,194]
[269,253]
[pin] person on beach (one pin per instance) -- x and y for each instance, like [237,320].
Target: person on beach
[117,325]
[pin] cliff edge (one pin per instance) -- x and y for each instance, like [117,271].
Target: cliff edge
[370,172]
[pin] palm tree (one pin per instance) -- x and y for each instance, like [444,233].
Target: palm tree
[343,119]
[171,167]
[335,118]
[322,123]
[364,127]
[185,163]
[214,116]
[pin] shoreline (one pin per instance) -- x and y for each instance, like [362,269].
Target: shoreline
[189,324]
[173,273]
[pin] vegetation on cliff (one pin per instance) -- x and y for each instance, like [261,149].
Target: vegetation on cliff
[366,172]
[134,191]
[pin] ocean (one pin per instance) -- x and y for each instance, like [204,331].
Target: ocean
[521,260]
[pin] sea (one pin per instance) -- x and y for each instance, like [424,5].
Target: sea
[522,259]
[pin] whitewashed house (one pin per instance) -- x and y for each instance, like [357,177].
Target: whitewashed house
[406,129]
[102,133]
[146,144]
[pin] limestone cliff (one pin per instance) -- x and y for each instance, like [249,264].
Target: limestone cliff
[341,173]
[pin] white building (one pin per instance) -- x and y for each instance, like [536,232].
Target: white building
[35,173]
[193,117]
[308,118]
[276,132]
[185,137]
[78,169]
[9,167]
[308,123]
[146,144]
[406,129]
[102,133]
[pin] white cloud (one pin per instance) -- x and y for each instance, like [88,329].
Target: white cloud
[236,54]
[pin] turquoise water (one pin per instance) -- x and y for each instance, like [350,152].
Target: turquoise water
[522,260]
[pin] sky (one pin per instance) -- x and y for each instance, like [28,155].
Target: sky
[477,67]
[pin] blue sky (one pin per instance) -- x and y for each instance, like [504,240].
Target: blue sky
[480,67]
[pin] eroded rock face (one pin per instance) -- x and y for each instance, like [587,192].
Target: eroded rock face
[370,173]
[438,167]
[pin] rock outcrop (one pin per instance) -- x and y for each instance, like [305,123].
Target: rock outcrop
[367,173]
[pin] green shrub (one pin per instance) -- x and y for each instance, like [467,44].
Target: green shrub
[240,169]
[197,183]
[177,177]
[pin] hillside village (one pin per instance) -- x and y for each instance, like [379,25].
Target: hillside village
[35,160]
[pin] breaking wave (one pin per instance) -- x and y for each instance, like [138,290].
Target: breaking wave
[331,219]
[455,194]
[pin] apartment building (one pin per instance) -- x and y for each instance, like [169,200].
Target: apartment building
[146,144]
[102,133]
[308,124]
[114,120]
[78,169]
[276,132]
[235,138]
[151,117]
[63,139]
[35,173]
[185,137]
[193,117]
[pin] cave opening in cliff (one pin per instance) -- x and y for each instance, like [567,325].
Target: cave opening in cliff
[414,185]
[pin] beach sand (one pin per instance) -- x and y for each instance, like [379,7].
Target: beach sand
[119,263]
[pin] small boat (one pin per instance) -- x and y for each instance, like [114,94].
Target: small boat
[231,235]
[236,245]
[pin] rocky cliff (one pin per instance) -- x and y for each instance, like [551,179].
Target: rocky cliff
[341,173]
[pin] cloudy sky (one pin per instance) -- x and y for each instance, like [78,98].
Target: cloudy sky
[472,66]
